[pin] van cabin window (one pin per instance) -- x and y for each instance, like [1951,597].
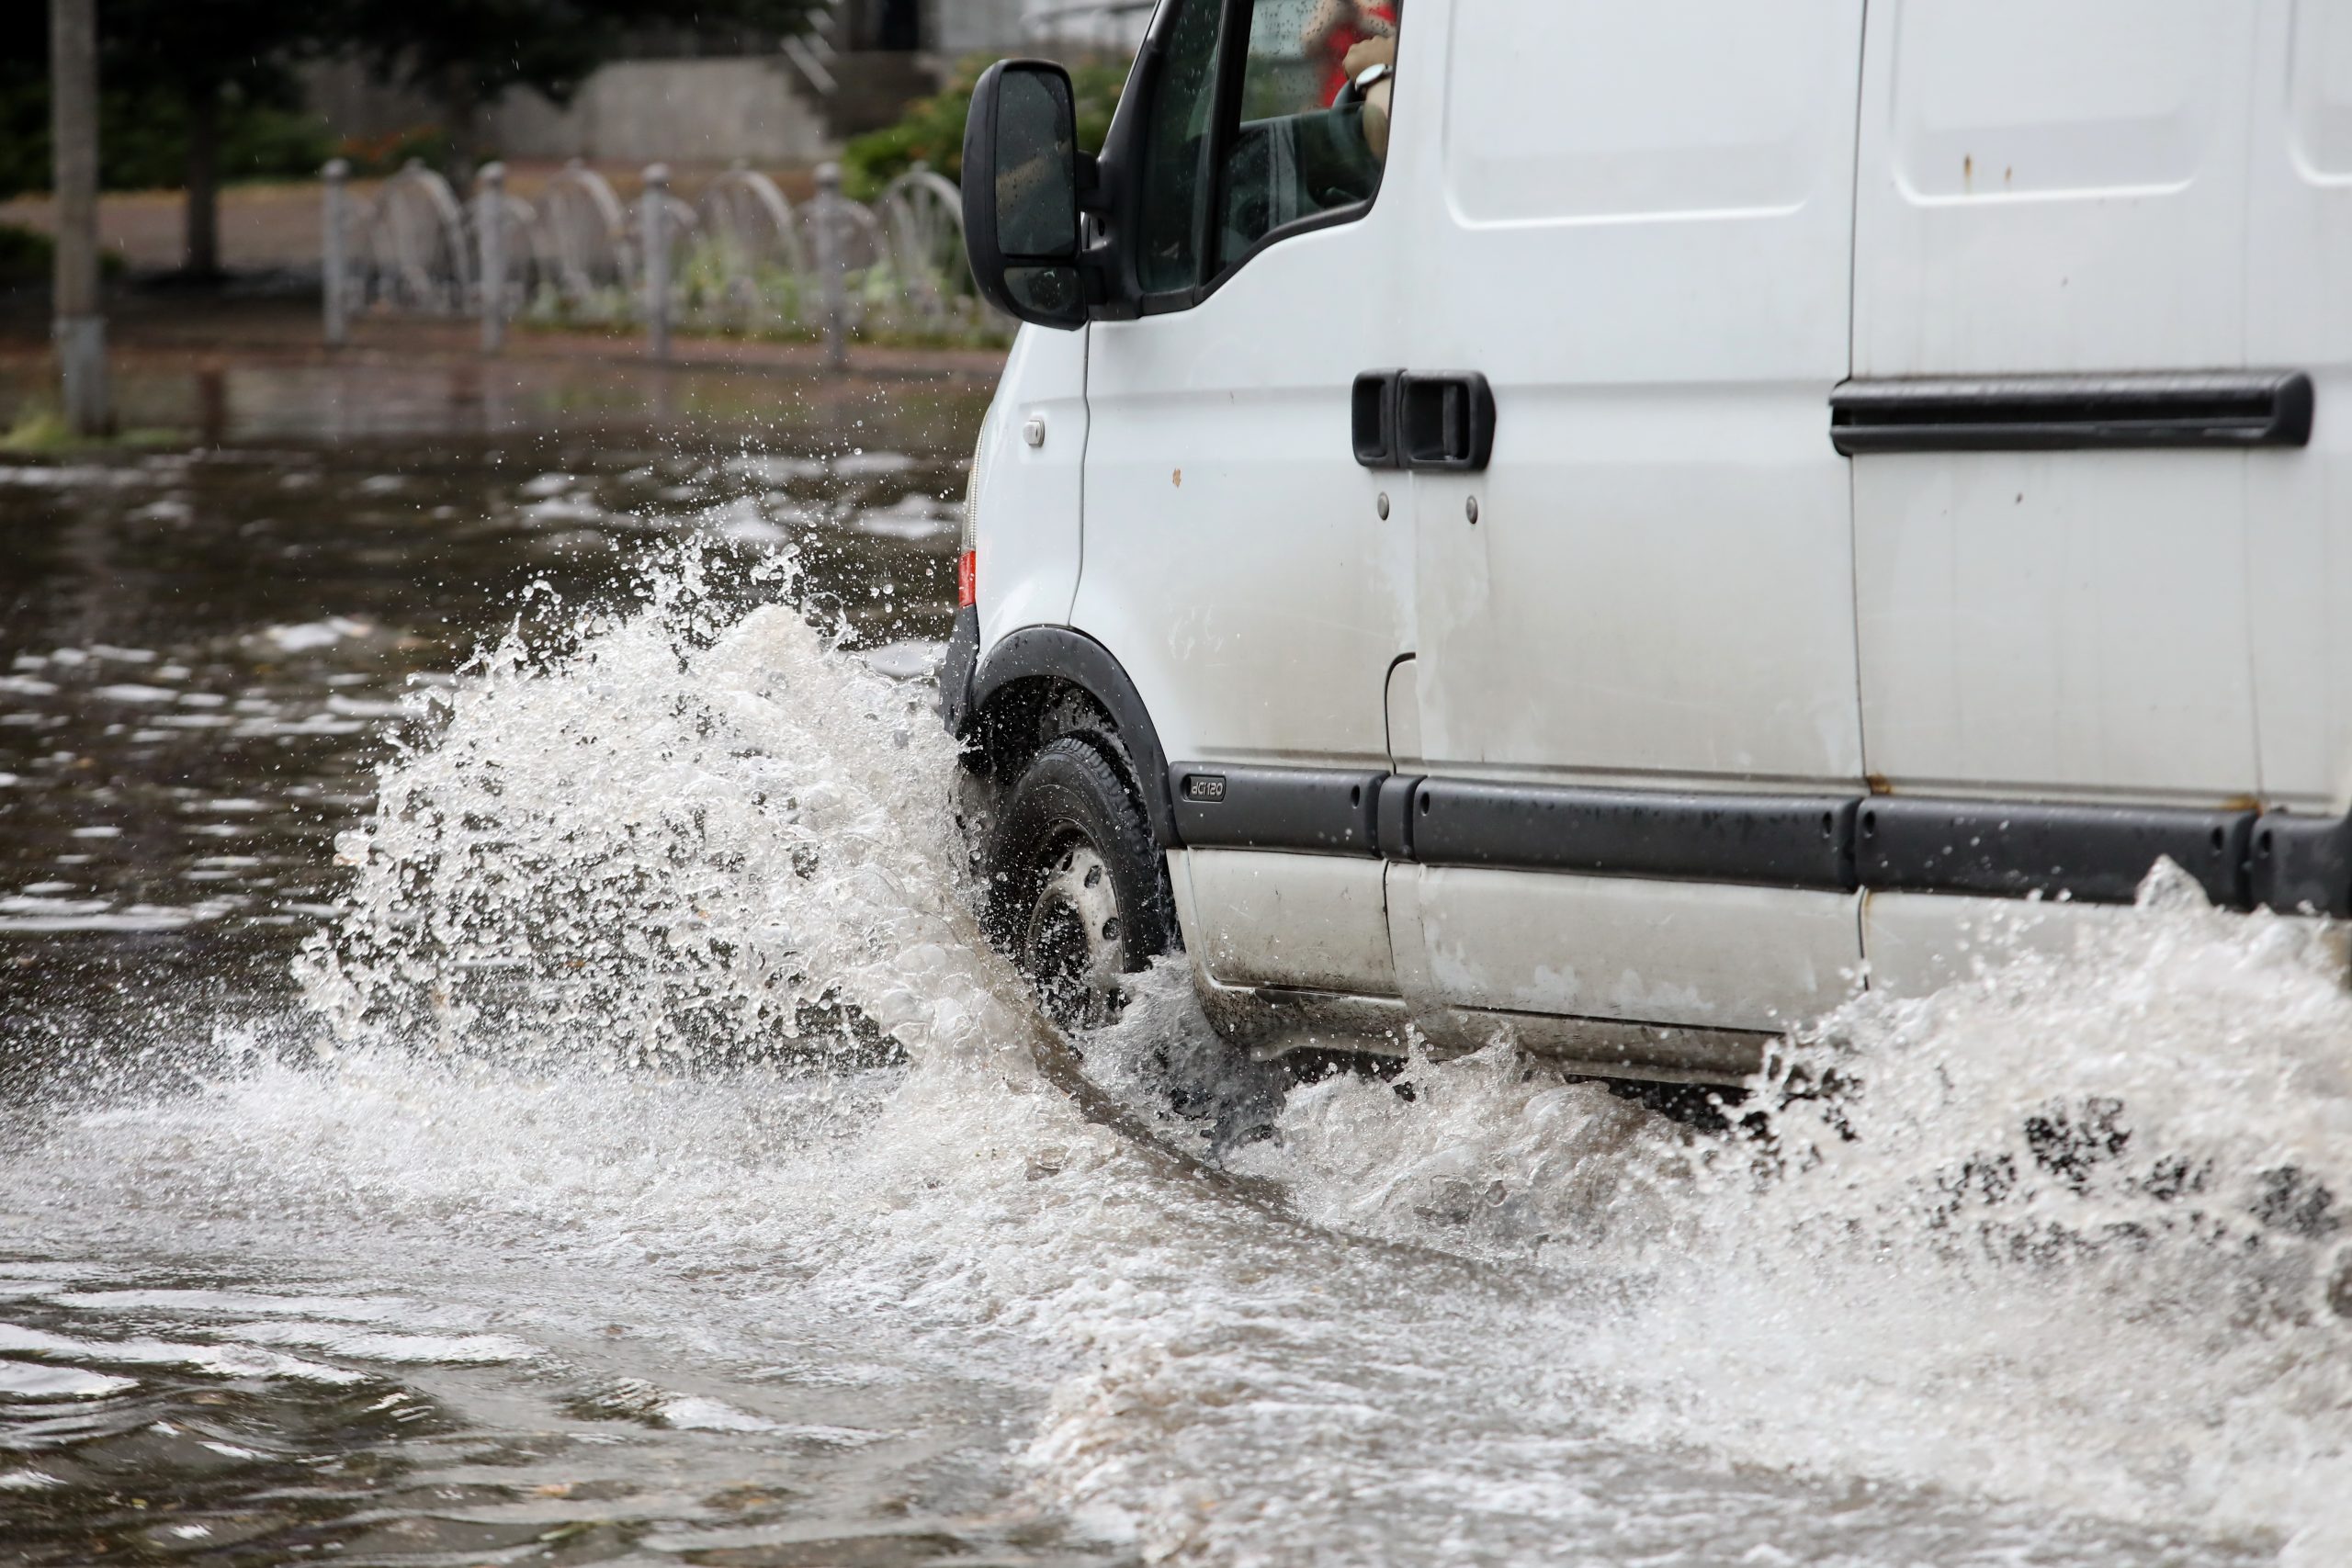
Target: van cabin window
[1299,139]
[1300,150]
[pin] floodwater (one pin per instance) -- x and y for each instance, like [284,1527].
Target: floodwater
[499,1068]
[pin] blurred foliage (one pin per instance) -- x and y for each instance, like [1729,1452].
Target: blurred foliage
[933,131]
[142,140]
[25,257]
[161,61]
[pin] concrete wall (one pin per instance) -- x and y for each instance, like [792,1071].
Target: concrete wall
[958,27]
[691,110]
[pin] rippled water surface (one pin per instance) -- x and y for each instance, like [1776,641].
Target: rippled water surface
[499,1068]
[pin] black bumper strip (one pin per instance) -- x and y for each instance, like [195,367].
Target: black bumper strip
[2044,414]
[1784,840]
[2006,849]
[1313,810]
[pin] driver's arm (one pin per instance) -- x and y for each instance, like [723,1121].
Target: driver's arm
[1374,51]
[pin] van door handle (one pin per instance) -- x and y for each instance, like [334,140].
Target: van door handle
[1433,423]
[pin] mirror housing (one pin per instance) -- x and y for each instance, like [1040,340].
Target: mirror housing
[1022,193]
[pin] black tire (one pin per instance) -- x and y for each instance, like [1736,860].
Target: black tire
[1078,892]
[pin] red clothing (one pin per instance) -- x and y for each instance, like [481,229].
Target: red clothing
[1344,37]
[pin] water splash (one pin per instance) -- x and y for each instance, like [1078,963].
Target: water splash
[683,834]
[2069,1230]
[661,1011]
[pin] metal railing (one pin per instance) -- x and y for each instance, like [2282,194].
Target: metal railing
[741,257]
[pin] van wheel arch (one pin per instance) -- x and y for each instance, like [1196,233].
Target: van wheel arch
[1042,684]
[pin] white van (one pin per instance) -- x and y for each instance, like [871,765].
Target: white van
[1738,494]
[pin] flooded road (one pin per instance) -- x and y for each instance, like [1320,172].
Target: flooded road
[499,1068]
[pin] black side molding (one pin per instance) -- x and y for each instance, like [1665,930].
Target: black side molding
[2303,863]
[2044,414]
[2014,848]
[2094,854]
[1311,811]
[1396,816]
[1783,840]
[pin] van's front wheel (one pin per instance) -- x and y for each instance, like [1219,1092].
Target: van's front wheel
[1077,892]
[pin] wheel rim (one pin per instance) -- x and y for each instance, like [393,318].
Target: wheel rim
[1074,942]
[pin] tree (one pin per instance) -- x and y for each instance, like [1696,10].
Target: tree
[466,53]
[207,60]
[170,72]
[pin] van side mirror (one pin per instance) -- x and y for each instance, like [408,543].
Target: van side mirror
[1021,193]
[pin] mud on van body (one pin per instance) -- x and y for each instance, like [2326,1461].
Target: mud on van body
[1633,522]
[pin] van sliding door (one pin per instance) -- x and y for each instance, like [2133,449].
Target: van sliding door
[2056,417]
[1636,676]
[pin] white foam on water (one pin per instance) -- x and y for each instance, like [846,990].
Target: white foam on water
[310,635]
[228,1361]
[20,1381]
[584,1068]
[35,478]
[342,1340]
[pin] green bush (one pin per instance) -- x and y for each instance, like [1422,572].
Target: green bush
[933,131]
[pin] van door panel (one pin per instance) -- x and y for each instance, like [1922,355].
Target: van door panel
[1683,953]
[2055,622]
[1312,922]
[1644,241]
[2051,186]
[1236,560]
[2047,190]
[1658,582]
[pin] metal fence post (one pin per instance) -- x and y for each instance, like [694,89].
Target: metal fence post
[334,264]
[489,229]
[830,271]
[654,216]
